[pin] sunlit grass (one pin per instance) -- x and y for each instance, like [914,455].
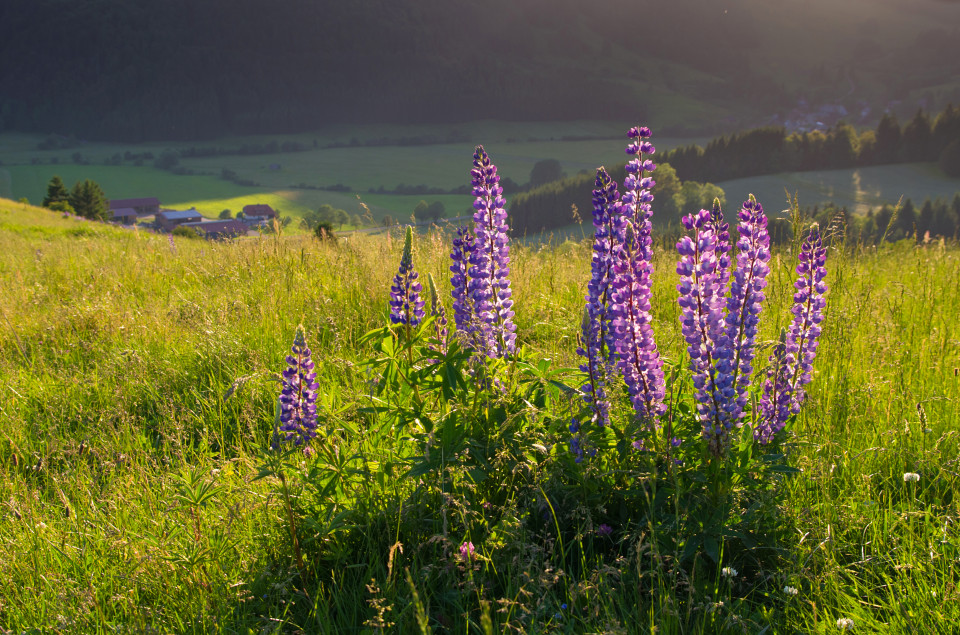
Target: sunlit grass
[125,361]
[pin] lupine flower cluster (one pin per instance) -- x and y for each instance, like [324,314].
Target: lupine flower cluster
[483,306]
[791,362]
[616,328]
[406,303]
[720,297]
[298,396]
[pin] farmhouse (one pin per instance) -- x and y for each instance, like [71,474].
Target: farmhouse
[168,219]
[125,215]
[260,211]
[142,206]
[219,228]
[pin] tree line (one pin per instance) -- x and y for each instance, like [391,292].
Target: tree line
[771,150]
[685,174]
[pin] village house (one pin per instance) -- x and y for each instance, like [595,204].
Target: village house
[169,219]
[259,211]
[142,206]
[125,215]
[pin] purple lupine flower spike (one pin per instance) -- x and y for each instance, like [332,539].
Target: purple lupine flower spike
[638,357]
[438,312]
[463,314]
[488,285]
[406,302]
[808,304]
[701,322]
[744,306]
[298,396]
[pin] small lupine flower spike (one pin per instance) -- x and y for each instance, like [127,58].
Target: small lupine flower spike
[406,303]
[298,396]
[638,357]
[701,322]
[464,317]
[792,360]
[775,403]
[488,284]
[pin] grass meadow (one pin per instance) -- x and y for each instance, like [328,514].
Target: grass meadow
[139,378]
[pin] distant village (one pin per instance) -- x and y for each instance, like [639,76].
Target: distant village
[131,210]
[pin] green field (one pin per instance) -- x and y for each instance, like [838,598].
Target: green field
[859,189]
[516,147]
[137,392]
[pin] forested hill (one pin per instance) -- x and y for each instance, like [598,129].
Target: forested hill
[188,69]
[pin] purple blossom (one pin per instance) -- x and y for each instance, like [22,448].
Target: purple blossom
[701,322]
[723,245]
[488,284]
[604,530]
[466,552]
[298,396]
[638,357]
[744,305]
[406,303]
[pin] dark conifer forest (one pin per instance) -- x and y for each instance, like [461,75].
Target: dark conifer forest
[136,70]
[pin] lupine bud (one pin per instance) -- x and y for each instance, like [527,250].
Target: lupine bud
[298,395]
[406,303]
[439,313]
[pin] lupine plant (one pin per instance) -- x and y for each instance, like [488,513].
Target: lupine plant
[486,436]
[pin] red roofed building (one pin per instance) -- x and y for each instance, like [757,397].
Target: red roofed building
[142,206]
[260,210]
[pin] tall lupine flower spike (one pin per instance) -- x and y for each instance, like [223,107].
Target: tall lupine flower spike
[639,359]
[701,322]
[406,303]
[743,308]
[488,285]
[439,313]
[596,343]
[298,396]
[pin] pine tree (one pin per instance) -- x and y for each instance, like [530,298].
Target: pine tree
[56,192]
[89,201]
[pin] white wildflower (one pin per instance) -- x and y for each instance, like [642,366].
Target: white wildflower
[728,572]
[911,477]
[845,624]
[790,590]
